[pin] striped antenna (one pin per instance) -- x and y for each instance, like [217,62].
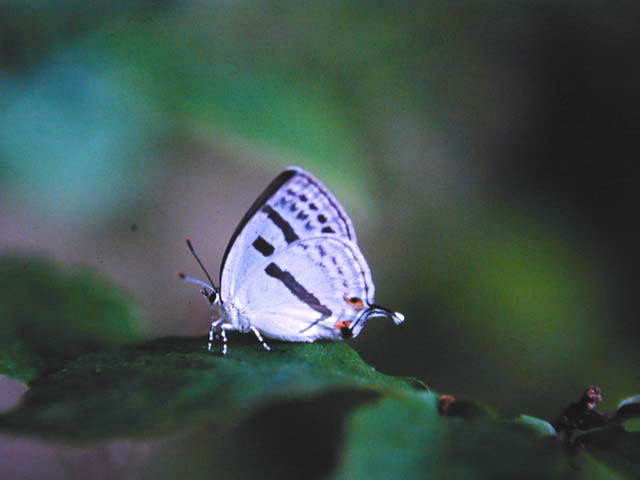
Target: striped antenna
[214,290]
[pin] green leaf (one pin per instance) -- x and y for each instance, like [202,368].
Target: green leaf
[628,408]
[635,400]
[404,436]
[535,425]
[49,316]
[171,384]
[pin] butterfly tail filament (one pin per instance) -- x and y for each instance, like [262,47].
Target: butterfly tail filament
[379,311]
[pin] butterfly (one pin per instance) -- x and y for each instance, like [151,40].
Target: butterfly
[292,270]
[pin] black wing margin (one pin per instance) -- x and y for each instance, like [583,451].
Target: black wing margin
[272,188]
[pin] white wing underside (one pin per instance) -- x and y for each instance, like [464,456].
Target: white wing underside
[300,294]
[292,262]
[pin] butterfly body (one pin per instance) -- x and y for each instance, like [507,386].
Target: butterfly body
[292,270]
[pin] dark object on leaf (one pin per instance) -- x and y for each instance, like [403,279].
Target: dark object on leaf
[581,415]
[444,403]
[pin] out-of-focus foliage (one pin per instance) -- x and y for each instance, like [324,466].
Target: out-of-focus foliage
[408,438]
[393,437]
[228,91]
[72,136]
[617,448]
[49,316]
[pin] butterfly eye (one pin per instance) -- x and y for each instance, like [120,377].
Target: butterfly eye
[355,302]
[213,297]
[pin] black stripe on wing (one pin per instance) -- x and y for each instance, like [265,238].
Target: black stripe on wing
[273,187]
[285,227]
[264,247]
[299,291]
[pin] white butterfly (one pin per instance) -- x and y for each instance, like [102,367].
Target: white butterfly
[292,269]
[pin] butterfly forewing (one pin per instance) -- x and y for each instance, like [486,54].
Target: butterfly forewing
[306,290]
[294,207]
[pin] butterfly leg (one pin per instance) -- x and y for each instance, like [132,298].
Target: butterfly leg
[256,332]
[212,333]
[223,333]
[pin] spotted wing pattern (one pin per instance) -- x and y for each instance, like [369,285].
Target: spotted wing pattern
[308,290]
[294,207]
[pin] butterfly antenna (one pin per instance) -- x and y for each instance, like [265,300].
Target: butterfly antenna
[196,281]
[195,255]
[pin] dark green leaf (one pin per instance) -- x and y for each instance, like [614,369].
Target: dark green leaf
[615,447]
[175,383]
[295,439]
[628,408]
[404,436]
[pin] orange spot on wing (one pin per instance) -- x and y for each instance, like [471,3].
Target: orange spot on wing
[354,302]
[343,324]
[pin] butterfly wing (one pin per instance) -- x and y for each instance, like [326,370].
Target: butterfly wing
[294,207]
[310,289]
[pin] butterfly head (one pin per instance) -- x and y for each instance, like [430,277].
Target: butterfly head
[210,292]
[212,296]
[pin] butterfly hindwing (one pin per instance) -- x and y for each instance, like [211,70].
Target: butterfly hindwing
[294,207]
[307,290]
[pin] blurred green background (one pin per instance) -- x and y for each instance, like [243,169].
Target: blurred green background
[486,152]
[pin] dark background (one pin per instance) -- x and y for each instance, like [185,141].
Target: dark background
[486,152]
